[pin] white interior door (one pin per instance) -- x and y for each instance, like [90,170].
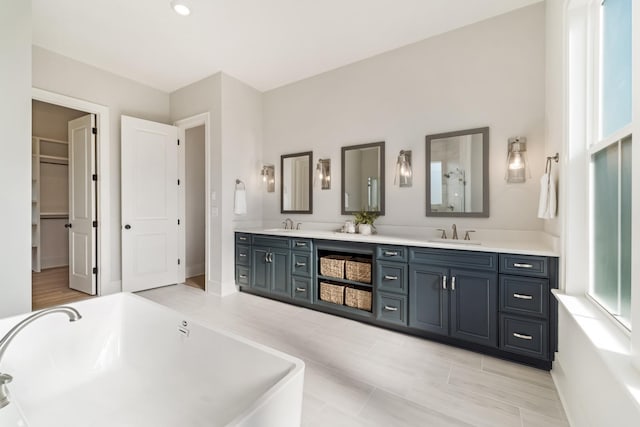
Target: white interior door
[149,186]
[82,234]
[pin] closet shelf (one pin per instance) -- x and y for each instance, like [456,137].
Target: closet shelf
[57,160]
[54,215]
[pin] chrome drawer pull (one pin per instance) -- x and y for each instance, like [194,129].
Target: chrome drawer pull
[301,244]
[390,277]
[301,264]
[453,283]
[243,276]
[301,290]
[387,308]
[242,238]
[520,296]
[518,265]
[444,282]
[243,255]
[390,253]
[523,337]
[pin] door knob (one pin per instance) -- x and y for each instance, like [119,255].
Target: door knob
[127,227]
[67,226]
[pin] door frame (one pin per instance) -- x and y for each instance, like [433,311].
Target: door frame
[183,125]
[102,170]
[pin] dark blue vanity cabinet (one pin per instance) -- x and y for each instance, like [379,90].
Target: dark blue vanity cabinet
[498,304]
[455,301]
[271,265]
[391,279]
[302,270]
[528,323]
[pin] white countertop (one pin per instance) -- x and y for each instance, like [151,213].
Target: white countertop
[523,246]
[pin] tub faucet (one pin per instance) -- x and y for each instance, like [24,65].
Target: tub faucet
[288,224]
[455,232]
[9,336]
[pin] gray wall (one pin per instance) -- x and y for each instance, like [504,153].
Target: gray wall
[15,162]
[487,74]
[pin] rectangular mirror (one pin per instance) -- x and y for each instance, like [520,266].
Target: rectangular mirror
[458,173]
[296,191]
[363,178]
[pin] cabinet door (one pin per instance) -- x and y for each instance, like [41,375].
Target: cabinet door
[474,306]
[260,268]
[280,272]
[428,299]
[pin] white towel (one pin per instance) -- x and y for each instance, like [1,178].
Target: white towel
[547,204]
[240,202]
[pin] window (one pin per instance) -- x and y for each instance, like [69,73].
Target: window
[610,282]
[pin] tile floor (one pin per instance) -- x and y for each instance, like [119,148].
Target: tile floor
[361,375]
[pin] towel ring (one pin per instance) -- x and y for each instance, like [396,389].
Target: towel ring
[240,183]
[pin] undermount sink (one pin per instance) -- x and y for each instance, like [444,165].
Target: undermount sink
[279,230]
[456,242]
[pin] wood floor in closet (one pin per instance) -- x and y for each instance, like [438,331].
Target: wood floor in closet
[51,287]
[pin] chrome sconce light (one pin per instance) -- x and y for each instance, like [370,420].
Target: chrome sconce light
[323,174]
[517,168]
[404,172]
[268,173]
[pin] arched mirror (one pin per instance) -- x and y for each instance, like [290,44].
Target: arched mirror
[363,178]
[296,191]
[458,173]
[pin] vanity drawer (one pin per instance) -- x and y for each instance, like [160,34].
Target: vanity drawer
[392,277]
[242,276]
[392,308]
[243,255]
[271,242]
[243,238]
[301,263]
[302,289]
[524,295]
[301,244]
[391,253]
[454,258]
[526,265]
[524,336]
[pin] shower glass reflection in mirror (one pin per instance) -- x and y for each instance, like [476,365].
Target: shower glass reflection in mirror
[296,189]
[363,178]
[457,181]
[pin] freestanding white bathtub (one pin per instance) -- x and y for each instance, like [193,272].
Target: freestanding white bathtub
[132,362]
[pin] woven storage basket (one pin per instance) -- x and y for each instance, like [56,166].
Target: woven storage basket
[359,270]
[333,266]
[332,293]
[358,299]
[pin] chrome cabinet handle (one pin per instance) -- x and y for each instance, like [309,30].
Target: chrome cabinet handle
[243,276]
[243,255]
[453,283]
[301,264]
[518,265]
[522,336]
[444,282]
[390,253]
[301,290]
[270,256]
[390,277]
[301,244]
[242,238]
[388,308]
[520,296]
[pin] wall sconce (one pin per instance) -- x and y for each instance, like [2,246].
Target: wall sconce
[404,172]
[268,173]
[517,169]
[323,174]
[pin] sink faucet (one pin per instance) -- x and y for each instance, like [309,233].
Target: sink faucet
[9,336]
[288,224]
[455,232]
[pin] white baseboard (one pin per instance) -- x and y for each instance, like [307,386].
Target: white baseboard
[54,261]
[194,270]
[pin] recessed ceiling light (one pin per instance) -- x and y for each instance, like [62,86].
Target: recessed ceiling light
[181,7]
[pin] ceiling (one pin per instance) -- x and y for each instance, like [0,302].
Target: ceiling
[265,43]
